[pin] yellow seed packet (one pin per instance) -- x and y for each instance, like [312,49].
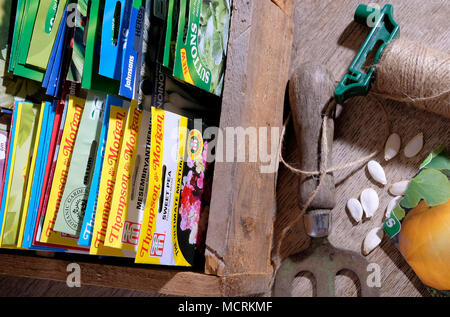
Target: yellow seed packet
[25,135]
[116,236]
[30,177]
[158,241]
[71,125]
[116,127]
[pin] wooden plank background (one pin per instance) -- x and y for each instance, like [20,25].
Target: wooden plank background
[325,33]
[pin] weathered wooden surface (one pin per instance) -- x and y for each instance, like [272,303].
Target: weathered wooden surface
[324,33]
[13,286]
[108,277]
[138,278]
[240,225]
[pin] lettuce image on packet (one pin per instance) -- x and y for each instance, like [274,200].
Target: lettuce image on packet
[203,31]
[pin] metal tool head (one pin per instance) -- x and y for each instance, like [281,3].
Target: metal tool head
[324,261]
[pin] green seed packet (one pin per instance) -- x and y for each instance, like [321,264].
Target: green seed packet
[46,27]
[24,22]
[6,100]
[91,78]
[12,86]
[76,193]
[171,34]
[18,27]
[202,40]
[30,13]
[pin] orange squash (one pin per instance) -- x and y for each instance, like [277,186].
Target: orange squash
[424,242]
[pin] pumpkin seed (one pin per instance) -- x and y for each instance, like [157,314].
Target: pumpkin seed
[399,189]
[392,147]
[377,172]
[355,209]
[414,146]
[372,240]
[370,202]
[392,204]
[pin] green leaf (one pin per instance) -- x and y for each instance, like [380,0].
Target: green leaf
[440,162]
[431,185]
[432,155]
[399,213]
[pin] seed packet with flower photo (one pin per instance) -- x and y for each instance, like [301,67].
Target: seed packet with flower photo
[175,196]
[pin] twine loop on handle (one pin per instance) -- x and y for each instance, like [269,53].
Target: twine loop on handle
[324,141]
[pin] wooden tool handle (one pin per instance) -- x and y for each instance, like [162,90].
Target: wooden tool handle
[310,90]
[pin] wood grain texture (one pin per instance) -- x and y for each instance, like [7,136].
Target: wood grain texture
[285,5]
[139,278]
[13,286]
[243,201]
[324,33]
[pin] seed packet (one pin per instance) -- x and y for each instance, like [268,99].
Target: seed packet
[131,68]
[132,220]
[64,242]
[12,86]
[55,52]
[91,78]
[114,36]
[56,70]
[78,183]
[117,122]
[123,231]
[79,42]
[74,112]
[420,224]
[48,19]
[18,20]
[87,228]
[158,16]
[170,35]
[6,172]
[6,10]
[5,126]
[29,120]
[174,203]
[55,142]
[33,174]
[145,60]
[24,22]
[202,40]
[39,174]
[30,12]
